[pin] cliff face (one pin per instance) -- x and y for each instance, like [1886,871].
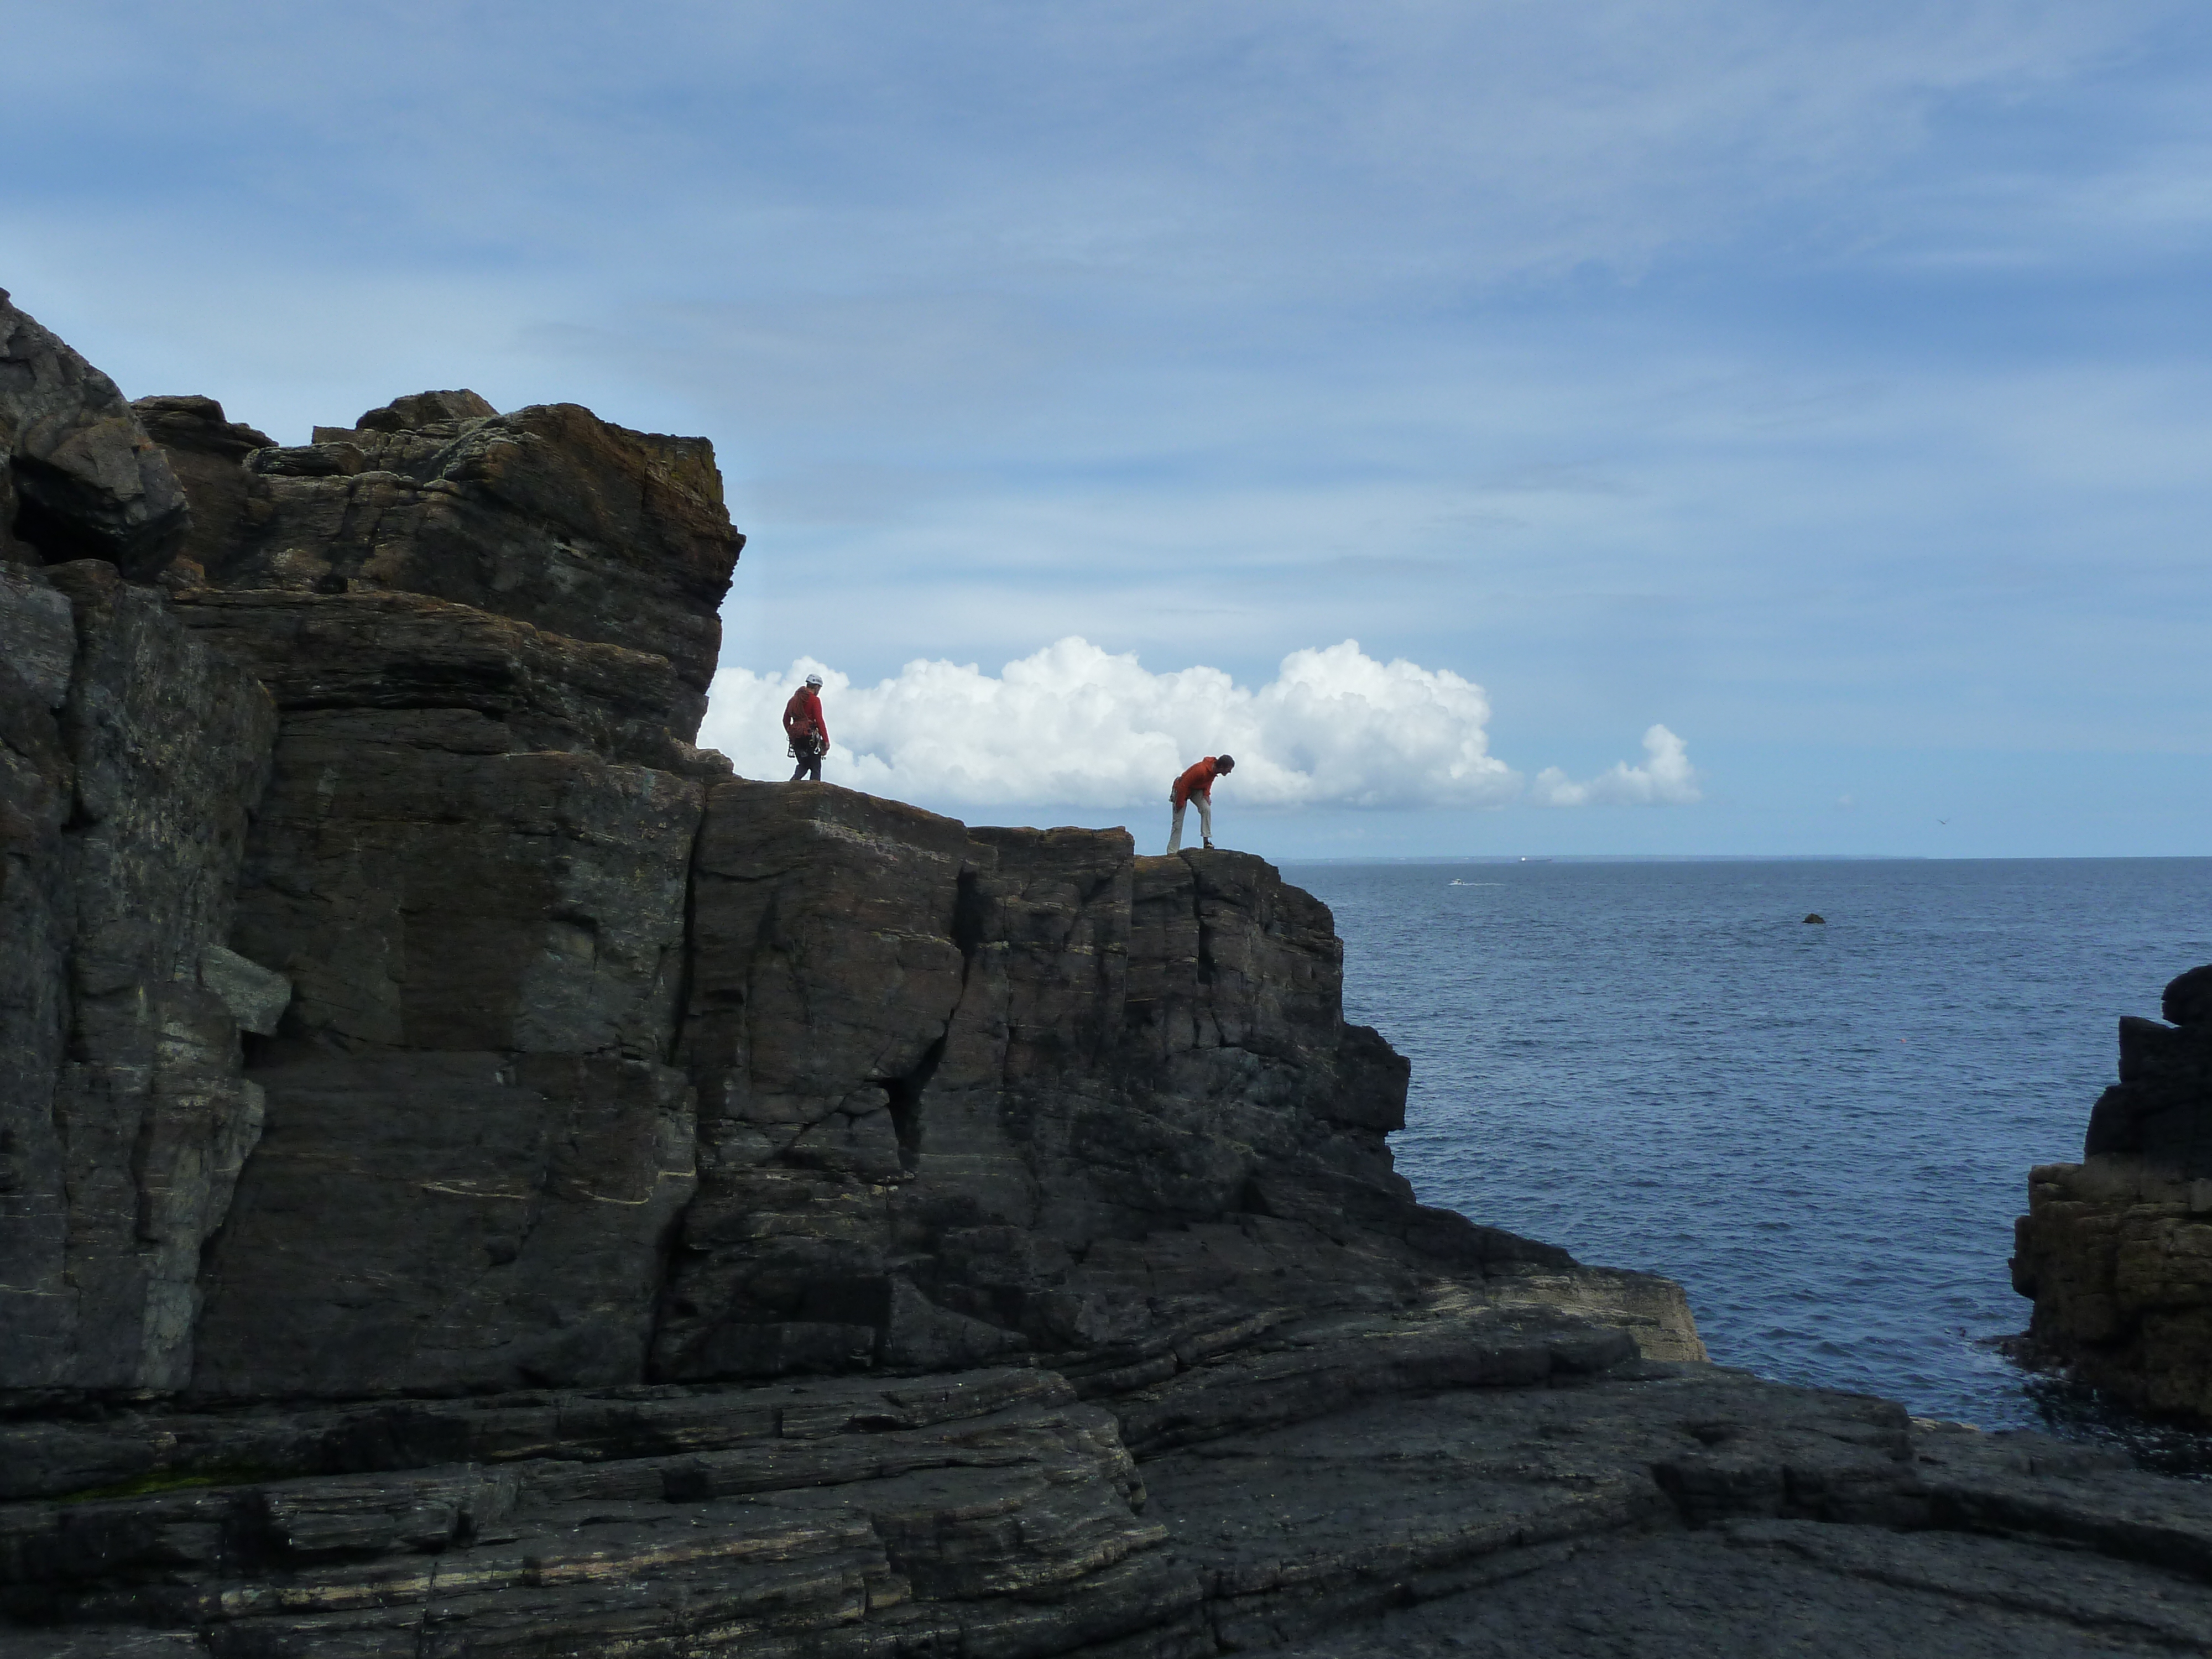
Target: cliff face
[464,883]
[593,1064]
[132,757]
[482,1180]
[129,759]
[965,1094]
[2117,1250]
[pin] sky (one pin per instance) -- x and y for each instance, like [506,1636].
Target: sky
[1512,428]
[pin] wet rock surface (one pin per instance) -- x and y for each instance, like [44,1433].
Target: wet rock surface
[480,1179]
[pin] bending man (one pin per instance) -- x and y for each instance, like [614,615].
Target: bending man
[1197,784]
[808,732]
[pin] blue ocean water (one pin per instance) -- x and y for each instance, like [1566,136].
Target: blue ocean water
[1823,1132]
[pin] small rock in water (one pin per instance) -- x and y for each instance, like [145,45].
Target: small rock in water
[1814,915]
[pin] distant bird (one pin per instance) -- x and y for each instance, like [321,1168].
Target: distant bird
[1942,820]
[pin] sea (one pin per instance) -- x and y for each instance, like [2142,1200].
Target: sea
[1822,1130]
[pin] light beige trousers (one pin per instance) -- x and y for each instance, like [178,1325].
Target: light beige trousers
[1204,822]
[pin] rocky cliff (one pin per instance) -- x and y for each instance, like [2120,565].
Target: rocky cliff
[481,1179]
[2117,1250]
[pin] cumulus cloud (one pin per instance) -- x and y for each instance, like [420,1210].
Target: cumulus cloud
[1076,725]
[1073,724]
[1665,779]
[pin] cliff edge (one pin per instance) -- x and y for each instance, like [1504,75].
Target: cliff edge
[482,1179]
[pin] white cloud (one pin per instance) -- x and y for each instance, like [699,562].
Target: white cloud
[1665,779]
[1076,725]
[1073,724]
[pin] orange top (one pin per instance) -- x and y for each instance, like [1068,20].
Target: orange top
[1198,781]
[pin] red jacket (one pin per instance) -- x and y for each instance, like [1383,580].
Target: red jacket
[1198,781]
[802,716]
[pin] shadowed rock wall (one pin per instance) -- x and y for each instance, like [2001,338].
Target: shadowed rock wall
[597,1064]
[969,1092]
[79,477]
[489,639]
[2117,1250]
[387,767]
[130,756]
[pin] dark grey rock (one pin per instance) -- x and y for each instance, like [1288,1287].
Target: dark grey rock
[472,867]
[420,895]
[1661,1510]
[2161,1108]
[1794,1588]
[425,409]
[38,639]
[972,1092]
[548,516]
[256,997]
[2116,1251]
[79,478]
[498,686]
[2188,998]
[334,459]
[38,926]
[122,1147]
[427,1221]
[205,451]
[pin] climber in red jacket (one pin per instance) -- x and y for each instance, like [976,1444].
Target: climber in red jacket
[808,732]
[1197,784]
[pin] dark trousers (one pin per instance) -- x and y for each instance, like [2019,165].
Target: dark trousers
[809,761]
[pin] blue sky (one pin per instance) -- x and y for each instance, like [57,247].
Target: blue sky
[1825,384]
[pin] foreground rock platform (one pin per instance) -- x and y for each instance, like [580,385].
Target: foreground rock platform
[1529,1488]
[478,1178]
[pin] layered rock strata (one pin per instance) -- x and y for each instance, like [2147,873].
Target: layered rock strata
[1500,1487]
[482,1180]
[2117,1250]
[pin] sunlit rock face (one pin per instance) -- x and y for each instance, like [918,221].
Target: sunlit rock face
[2117,1250]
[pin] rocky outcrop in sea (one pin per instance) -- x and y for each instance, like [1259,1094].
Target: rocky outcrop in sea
[479,1178]
[2117,1250]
